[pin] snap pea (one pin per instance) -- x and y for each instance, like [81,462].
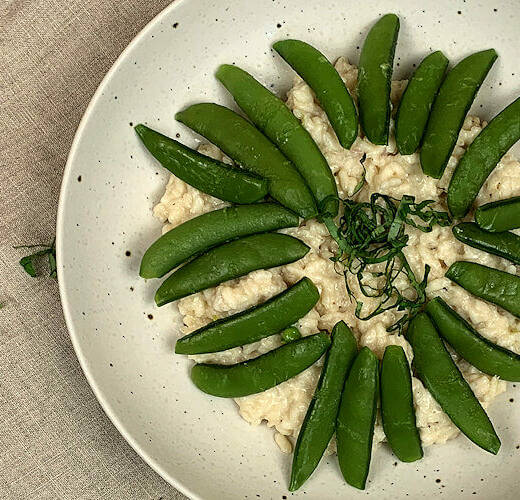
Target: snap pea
[252,324]
[277,122]
[375,78]
[499,287]
[248,147]
[449,110]
[506,245]
[499,215]
[356,418]
[210,229]
[229,261]
[289,334]
[439,374]
[480,352]
[202,172]
[320,420]
[481,157]
[324,80]
[397,410]
[261,373]
[416,102]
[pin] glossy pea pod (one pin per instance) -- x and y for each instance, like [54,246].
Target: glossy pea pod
[500,215]
[397,410]
[506,245]
[327,85]
[320,420]
[375,78]
[249,148]
[481,157]
[277,122]
[356,418]
[439,374]
[229,261]
[480,352]
[263,372]
[253,324]
[416,102]
[202,172]
[498,287]
[449,110]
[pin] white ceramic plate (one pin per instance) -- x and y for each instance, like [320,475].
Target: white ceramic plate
[125,344]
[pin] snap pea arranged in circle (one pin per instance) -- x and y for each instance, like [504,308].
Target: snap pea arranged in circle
[277,122]
[211,229]
[498,287]
[480,352]
[252,150]
[449,110]
[397,410]
[253,324]
[416,102]
[439,374]
[481,157]
[500,215]
[356,418]
[229,261]
[263,372]
[375,78]
[324,80]
[202,172]
[506,245]
[320,421]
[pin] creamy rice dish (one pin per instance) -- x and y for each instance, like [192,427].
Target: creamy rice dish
[283,407]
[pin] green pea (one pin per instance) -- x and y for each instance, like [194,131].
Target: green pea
[202,172]
[250,149]
[468,343]
[255,323]
[320,421]
[289,334]
[439,374]
[499,215]
[498,287]
[229,261]
[263,372]
[356,418]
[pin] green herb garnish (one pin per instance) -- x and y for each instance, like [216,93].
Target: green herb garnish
[28,262]
[371,238]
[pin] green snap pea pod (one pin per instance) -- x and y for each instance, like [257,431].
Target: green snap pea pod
[252,150]
[481,157]
[439,374]
[397,410]
[449,110]
[252,324]
[506,245]
[356,418]
[210,229]
[480,352]
[289,334]
[375,78]
[498,287]
[263,372]
[324,80]
[229,261]
[277,122]
[320,420]
[202,172]
[416,102]
[499,215]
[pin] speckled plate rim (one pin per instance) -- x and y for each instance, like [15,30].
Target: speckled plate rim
[103,401]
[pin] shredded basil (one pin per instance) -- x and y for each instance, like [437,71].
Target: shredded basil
[29,261]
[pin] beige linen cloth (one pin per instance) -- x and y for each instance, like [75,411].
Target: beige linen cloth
[55,440]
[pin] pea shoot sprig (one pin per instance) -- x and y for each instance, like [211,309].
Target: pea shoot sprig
[371,238]
[29,261]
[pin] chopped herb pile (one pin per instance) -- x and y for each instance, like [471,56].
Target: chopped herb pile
[371,237]
[29,261]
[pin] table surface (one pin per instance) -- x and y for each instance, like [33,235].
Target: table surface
[55,440]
